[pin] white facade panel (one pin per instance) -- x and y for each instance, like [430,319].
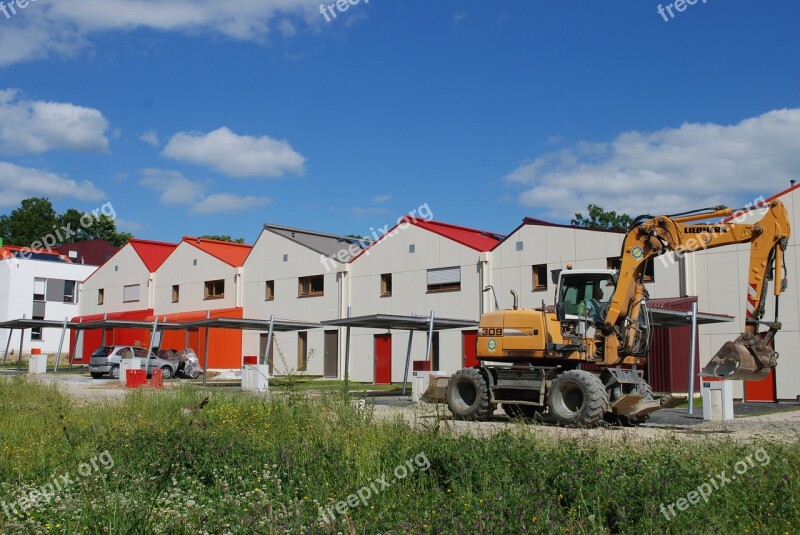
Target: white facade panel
[123,269]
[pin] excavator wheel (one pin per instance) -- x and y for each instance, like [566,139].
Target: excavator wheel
[468,395]
[577,397]
[631,421]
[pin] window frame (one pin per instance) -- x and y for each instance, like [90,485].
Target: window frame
[306,290]
[386,285]
[209,290]
[539,277]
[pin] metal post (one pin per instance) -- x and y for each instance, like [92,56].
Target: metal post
[19,356]
[75,349]
[150,346]
[8,344]
[692,349]
[430,338]
[105,331]
[61,344]
[270,334]
[408,360]
[347,355]
[205,351]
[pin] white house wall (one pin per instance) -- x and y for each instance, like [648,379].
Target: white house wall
[16,300]
[410,296]
[190,268]
[265,263]
[123,269]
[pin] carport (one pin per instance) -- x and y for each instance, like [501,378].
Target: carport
[272,325]
[25,324]
[430,324]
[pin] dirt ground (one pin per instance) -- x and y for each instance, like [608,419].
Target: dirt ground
[779,425]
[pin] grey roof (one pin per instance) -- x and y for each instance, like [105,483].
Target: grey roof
[326,244]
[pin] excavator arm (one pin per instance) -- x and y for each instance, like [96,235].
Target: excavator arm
[750,355]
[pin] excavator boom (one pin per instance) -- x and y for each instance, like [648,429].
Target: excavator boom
[750,356]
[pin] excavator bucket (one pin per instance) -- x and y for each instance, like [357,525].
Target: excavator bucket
[745,358]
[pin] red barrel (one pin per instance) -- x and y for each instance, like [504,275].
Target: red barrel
[157,378]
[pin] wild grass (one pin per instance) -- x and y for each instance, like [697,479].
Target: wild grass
[249,464]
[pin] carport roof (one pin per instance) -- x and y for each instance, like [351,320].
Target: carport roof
[407,323]
[251,324]
[31,324]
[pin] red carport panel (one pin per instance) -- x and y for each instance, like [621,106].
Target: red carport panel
[225,345]
[469,340]
[383,359]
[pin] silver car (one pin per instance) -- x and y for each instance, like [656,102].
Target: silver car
[106,360]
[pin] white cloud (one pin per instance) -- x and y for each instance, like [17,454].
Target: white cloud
[380,199]
[672,170]
[128,225]
[219,203]
[34,127]
[234,155]
[18,183]
[58,28]
[150,137]
[176,190]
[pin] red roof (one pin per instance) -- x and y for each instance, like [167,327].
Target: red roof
[152,253]
[231,253]
[476,239]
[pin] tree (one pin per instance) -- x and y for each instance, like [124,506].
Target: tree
[33,220]
[223,237]
[600,219]
[36,224]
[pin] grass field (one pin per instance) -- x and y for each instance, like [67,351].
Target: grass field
[243,464]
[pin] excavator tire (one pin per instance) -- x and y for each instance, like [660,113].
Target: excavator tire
[468,395]
[577,397]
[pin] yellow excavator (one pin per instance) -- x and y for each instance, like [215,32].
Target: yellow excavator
[531,360]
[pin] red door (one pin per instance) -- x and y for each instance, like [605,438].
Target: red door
[763,390]
[383,359]
[469,341]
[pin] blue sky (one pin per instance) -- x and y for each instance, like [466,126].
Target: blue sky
[202,117]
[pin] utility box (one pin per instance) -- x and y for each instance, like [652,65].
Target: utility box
[128,364]
[37,364]
[256,378]
[717,400]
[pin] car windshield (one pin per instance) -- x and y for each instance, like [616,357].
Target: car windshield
[576,289]
[103,352]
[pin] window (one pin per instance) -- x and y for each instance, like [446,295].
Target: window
[649,274]
[412,248]
[444,279]
[130,293]
[539,277]
[39,288]
[69,291]
[302,351]
[613,262]
[386,285]
[176,293]
[270,293]
[520,246]
[101,296]
[311,286]
[215,289]
[286,258]
[36,332]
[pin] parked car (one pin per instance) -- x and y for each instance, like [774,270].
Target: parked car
[106,361]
